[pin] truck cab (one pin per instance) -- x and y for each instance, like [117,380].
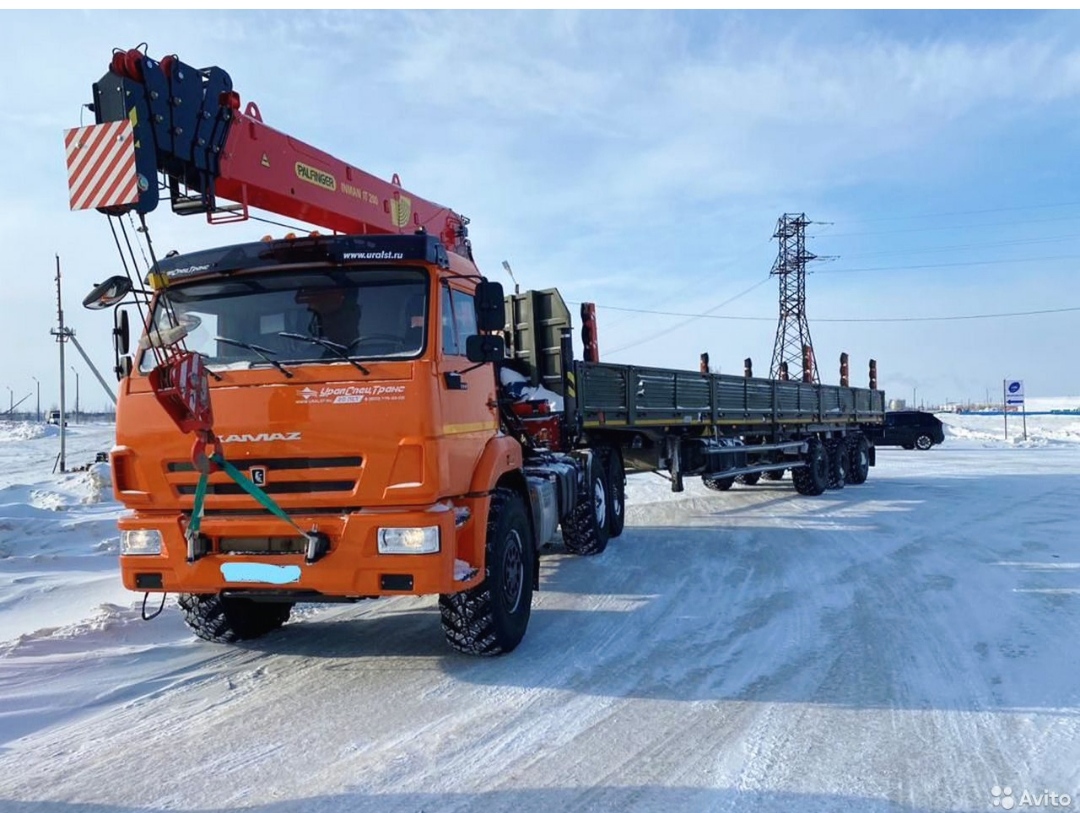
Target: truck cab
[341,387]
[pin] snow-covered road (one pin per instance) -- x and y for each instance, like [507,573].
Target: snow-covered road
[907,644]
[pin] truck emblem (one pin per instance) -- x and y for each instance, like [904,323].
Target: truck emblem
[258,475]
[262,437]
[308,392]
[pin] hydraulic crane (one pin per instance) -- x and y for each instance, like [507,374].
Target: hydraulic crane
[166,117]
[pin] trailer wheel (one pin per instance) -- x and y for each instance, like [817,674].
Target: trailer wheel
[616,480]
[839,460]
[226,620]
[585,531]
[813,478]
[718,483]
[491,618]
[748,479]
[859,464]
[776,475]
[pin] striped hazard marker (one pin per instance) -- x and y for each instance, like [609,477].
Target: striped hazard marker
[101,165]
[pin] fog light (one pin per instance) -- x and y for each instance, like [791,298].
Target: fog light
[409,540]
[140,543]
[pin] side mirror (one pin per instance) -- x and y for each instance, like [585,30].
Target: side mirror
[482,349]
[490,307]
[121,334]
[107,293]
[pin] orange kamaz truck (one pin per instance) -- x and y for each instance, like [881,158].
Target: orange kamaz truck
[360,413]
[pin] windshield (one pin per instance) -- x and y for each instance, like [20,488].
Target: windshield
[296,317]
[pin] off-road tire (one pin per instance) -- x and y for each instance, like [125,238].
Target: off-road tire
[748,479]
[776,475]
[227,620]
[859,462]
[491,618]
[923,443]
[616,481]
[585,531]
[718,483]
[839,460]
[813,478]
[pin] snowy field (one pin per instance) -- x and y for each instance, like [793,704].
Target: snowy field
[908,644]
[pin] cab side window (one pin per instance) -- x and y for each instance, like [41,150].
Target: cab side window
[449,334]
[458,321]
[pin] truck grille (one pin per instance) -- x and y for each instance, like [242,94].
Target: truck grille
[312,487]
[279,463]
[283,476]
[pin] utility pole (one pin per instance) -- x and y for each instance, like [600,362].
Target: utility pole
[38,397]
[61,335]
[793,349]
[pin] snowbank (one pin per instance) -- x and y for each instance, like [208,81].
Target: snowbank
[26,430]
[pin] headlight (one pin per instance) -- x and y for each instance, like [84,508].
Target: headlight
[140,543]
[409,540]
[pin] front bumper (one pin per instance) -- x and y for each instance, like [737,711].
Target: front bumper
[353,567]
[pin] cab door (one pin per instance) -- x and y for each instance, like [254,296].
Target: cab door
[467,391]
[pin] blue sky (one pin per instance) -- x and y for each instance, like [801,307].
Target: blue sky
[636,160]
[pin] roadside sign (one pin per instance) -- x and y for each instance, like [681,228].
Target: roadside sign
[1014,393]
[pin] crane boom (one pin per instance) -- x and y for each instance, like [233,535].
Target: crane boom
[187,126]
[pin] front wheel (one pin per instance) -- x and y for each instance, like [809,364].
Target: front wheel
[491,618]
[226,620]
[923,442]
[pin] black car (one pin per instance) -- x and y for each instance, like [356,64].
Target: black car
[908,428]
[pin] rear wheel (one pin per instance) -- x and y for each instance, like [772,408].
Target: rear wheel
[616,481]
[718,483]
[585,531]
[859,464]
[491,618]
[775,475]
[839,460]
[749,479]
[226,620]
[813,478]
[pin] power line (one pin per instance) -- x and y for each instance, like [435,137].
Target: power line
[953,226]
[696,280]
[953,318]
[974,212]
[943,265]
[691,318]
[934,249]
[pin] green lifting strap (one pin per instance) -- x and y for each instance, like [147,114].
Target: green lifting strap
[264,499]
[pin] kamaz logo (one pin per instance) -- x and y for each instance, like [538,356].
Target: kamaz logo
[262,437]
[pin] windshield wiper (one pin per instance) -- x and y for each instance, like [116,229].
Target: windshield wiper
[335,348]
[263,352]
